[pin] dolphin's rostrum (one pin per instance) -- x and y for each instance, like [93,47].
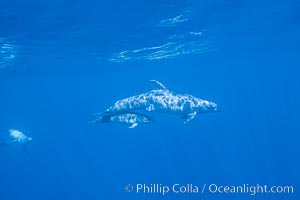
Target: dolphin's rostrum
[157,100]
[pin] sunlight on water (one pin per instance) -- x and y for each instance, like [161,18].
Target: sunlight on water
[8,53]
[176,45]
[172,21]
[176,41]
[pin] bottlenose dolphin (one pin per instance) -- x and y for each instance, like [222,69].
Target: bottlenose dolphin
[132,119]
[162,100]
[16,136]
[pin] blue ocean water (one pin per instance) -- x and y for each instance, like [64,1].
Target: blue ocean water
[63,61]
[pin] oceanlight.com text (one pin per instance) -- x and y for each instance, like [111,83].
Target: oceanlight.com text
[250,189]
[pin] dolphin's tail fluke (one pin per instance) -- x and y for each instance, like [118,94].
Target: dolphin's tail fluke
[99,113]
[101,119]
[25,147]
[102,113]
[95,121]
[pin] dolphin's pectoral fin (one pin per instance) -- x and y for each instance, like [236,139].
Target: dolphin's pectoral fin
[133,125]
[189,117]
[159,84]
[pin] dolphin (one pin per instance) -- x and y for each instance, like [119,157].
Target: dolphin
[16,136]
[132,119]
[162,100]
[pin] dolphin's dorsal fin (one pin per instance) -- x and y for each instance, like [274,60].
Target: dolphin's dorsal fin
[159,84]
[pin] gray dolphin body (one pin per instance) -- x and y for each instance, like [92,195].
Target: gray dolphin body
[16,136]
[163,100]
[131,119]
